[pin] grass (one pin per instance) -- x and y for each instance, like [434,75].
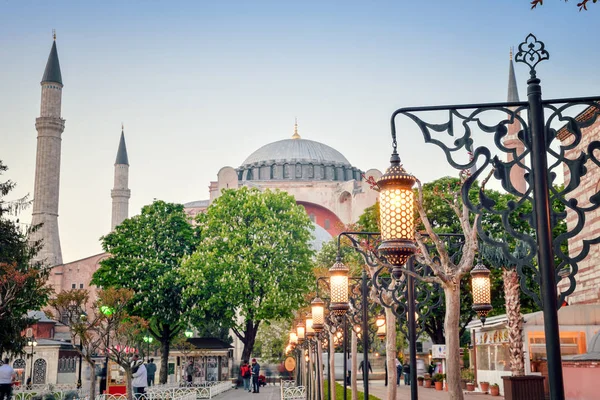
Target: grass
[339,392]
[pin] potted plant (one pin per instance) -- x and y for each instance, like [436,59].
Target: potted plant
[427,382]
[495,389]
[439,381]
[466,375]
[470,386]
[484,386]
[420,380]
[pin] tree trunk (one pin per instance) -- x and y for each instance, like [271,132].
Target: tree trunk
[514,321]
[332,365]
[390,353]
[128,381]
[452,327]
[92,378]
[165,340]
[249,339]
[354,368]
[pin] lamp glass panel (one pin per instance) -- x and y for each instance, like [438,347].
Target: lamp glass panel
[397,213]
[300,332]
[309,325]
[339,289]
[318,315]
[481,290]
[293,338]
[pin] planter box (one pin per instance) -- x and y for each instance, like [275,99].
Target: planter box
[530,387]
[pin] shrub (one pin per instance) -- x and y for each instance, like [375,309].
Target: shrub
[467,375]
[439,377]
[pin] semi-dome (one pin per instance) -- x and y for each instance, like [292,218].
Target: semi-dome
[297,159]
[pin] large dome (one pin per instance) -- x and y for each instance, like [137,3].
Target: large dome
[297,150]
[297,159]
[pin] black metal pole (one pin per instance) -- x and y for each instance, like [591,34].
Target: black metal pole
[365,333]
[31,365]
[539,167]
[80,361]
[345,357]
[329,369]
[412,330]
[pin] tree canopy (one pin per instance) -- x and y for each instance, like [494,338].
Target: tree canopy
[22,283]
[253,261]
[146,254]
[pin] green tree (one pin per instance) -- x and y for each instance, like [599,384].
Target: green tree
[22,283]
[253,262]
[146,255]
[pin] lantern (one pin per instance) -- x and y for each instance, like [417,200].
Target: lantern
[381,332]
[300,331]
[310,332]
[380,321]
[396,207]
[318,314]
[481,286]
[293,338]
[338,285]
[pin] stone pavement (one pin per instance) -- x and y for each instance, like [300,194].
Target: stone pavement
[269,392]
[378,389]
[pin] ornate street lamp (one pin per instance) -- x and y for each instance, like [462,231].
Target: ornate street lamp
[338,284]
[188,333]
[396,205]
[148,339]
[31,343]
[318,314]
[481,287]
[107,311]
[300,332]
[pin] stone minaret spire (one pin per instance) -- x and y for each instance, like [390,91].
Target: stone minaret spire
[517,174]
[120,193]
[50,127]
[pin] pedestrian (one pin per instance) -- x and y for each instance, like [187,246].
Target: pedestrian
[246,373]
[255,373]
[398,371]
[406,371]
[140,377]
[151,370]
[362,364]
[7,377]
[189,372]
[348,371]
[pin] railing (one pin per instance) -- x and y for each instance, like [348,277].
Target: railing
[50,392]
[205,390]
[293,393]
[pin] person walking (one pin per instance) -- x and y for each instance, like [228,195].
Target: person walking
[140,377]
[255,373]
[151,371]
[406,371]
[246,373]
[398,371]
[362,364]
[7,377]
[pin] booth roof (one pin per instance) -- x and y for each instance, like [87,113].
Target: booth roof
[209,343]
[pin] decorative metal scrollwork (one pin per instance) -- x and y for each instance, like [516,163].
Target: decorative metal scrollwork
[570,154]
[531,52]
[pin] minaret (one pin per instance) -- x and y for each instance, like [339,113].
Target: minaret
[50,127]
[120,193]
[517,174]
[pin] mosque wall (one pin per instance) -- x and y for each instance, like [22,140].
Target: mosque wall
[587,289]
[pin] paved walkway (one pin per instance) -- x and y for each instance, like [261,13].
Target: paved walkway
[268,392]
[378,389]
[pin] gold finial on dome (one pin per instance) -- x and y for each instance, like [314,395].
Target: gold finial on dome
[295,135]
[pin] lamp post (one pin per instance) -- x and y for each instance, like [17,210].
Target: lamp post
[148,339]
[107,311]
[541,134]
[31,343]
[188,333]
[82,319]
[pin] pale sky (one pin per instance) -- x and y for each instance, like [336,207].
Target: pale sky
[200,85]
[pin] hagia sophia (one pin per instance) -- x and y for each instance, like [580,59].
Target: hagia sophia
[332,190]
